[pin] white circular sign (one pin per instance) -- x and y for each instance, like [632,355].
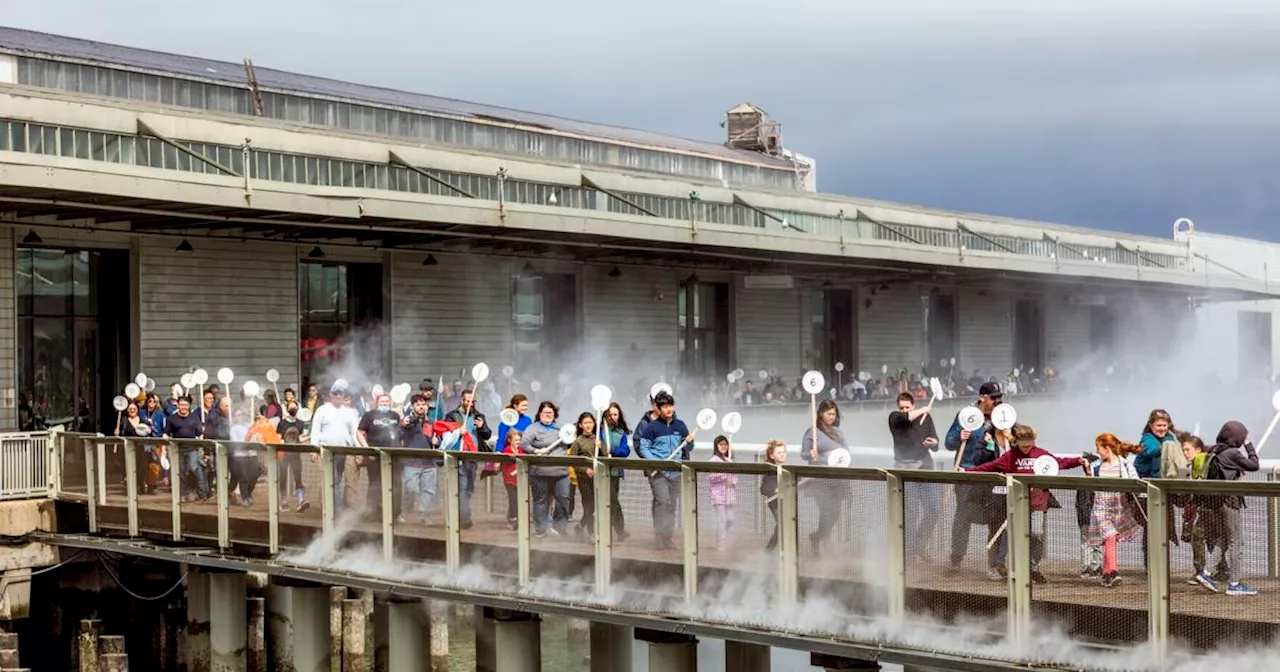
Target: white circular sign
[1016,373]
[970,418]
[942,362]
[273,376]
[731,423]
[659,388]
[509,417]
[535,386]
[730,377]
[187,381]
[839,367]
[508,371]
[764,375]
[164,462]
[935,386]
[304,414]
[953,361]
[884,368]
[1045,465]
[120,403]
[144,429]
[225,376]
[140,379]
[839,457]
[1110,370]
[151,384]
[250,389]
[399,393]
[706,419]
[132,391]
[738,373]
[602,392]
[480,372]
[1004,416]
[376,390]
[200,377]
[1275,401]
[568,433]
[813,382]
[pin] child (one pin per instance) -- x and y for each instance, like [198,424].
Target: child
[775,453]
[586,445]
[1193,451]
[290,463]
[1022,461]
[511,446]
[1231,456]
[1112,520]
[724,493]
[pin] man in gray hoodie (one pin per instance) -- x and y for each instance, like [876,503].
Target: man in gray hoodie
[1229,459]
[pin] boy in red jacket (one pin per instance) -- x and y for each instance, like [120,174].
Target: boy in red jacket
[1022,460]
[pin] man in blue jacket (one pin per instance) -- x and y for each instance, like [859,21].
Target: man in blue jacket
[978,504]
[662,439]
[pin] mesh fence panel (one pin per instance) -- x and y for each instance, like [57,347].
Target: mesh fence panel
[841,552]
[561,546]
[734,531]
[640,562]
[74,473]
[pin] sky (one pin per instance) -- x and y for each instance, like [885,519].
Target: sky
[1120,114]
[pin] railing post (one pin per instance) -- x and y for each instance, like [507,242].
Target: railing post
[388,506]
[452,514]
[788,537]
[689,528]
[604,529]
[1018,503]
[327,502]
[131,484]
[273,499]
[53,462]
[221,482]
[895,497]
[174,451]
[523,512]
[1273,530]
[101,463]
[91,449]
[1158,572]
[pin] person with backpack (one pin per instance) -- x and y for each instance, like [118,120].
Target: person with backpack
[1193,449]
[1229,459]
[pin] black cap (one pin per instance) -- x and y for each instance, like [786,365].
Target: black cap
[991,389]
[426,384]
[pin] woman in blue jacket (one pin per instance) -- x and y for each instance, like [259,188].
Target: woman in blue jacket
[614,436]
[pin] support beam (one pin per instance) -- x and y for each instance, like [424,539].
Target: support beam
[197,645]
[517,640]
[610,646]
[486,644]
[256,634]
[337,595]
[838,664]
[228,627]
[88,645]
[408,638]
[669,651]
[355,657]
[298,628]
[439,633]
[744,657]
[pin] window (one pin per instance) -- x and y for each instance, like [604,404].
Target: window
[1254,350]
[1028,334]
[339,307]
[544,315]
[939,322]
[702,310]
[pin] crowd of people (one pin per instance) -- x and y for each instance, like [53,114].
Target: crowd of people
[1211,525]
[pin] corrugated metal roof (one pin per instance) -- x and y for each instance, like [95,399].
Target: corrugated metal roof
[45,44]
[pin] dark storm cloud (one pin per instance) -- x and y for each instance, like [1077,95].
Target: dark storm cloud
[1119,117]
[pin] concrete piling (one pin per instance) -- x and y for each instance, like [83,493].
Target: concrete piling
[256,637]
[8,659]
[87,648]
[611,648]
[439,633]
[354,627]
[485,644]
[196,643]
[228,625]
[115,662]
[744,657]
[110,646]
[337,596]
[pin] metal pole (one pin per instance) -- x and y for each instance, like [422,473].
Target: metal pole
[895,492]
[689,525]
[788,537]
[1158,572]
[224,522]
[327,502]
[91,481]
[174,451]
[1018,501]
[453,514]
[604,530]
[131,484]
[388,505]
[523,559]
[273,501]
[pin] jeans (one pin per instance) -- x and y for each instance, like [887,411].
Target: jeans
[587,487]
[773,538]
[291,463]
[619,523]
[1222,531]
[245,471]
[1090,554]
[982,511]
[546,489]
[339,493]
[666,493]
[831,499]
[373,496]
[420,484]
[724,521]
[467,486]
[513,503]
[194,470]
[922,509]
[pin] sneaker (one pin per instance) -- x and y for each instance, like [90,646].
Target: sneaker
[1111,580]
[466,525]
[246,502]
[1193,581]
[284,506]
[998,573]
[550,530]
[1205,580]
[538,534]
[622,535]
[1238,589]
[304,506]
[1038,577]
[1093,574]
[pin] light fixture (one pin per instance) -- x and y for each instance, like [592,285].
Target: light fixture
[884,286]
[552,199]
[430,260]
[528,268]
[32,238]
[614,273]
[316,253]
[185,246]
[692,279]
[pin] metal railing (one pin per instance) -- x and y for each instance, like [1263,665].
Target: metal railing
[24,472]
[873,518]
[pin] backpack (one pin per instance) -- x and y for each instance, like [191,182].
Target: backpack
[1212,470]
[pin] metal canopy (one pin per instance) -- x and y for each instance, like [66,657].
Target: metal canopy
[54,208]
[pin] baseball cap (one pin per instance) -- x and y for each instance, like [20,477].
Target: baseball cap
[991,389]
[426,384]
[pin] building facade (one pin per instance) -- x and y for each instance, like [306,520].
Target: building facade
[162,212]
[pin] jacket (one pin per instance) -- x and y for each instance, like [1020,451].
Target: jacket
[723,487]
[539,436]
[618,444]
[480,435]
[1017,462]
[1234,457]
[500,446]
[826,444]
[661,440]
[1150,462]
[976,450]
[583,446]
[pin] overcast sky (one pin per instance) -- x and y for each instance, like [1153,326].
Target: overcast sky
[1124,114]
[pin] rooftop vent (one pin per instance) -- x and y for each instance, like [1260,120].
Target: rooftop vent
[750,129]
